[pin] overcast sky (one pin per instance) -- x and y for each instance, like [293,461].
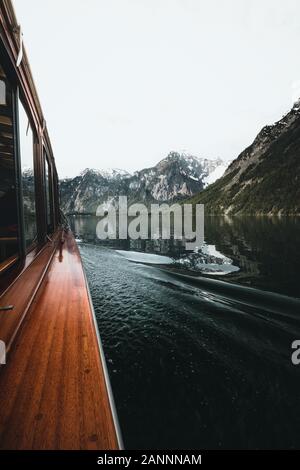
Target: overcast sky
[123,82]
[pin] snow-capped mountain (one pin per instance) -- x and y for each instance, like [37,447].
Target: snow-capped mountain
[217,173]
[110,173]
[174,178]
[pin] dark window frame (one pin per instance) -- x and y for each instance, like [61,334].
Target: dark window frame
[10,261]
[23,251]
[46,164]
[35,155]
[10,268]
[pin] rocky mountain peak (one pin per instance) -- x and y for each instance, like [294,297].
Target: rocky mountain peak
[173,178]
[110,173]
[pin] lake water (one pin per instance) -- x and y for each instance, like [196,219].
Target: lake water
[196,358]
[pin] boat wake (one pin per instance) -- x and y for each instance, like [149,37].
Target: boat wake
[191,358]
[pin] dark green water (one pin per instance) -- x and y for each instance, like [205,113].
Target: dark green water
[192,366]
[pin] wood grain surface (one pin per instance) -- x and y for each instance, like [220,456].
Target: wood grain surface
[53,389]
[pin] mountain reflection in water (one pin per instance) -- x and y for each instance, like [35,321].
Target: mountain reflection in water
[196,367]
[262,252]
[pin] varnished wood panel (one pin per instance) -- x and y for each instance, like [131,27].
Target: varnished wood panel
[53,389]
[20,293]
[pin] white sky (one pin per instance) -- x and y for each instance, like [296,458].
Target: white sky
[123,82]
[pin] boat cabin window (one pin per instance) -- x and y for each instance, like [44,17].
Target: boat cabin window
[9,233]
[48,190]
[28,180]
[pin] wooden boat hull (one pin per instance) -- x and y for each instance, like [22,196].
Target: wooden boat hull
[54,388]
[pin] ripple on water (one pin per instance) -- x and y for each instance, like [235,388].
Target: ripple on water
[192,369]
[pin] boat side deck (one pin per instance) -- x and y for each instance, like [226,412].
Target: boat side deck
[53,389]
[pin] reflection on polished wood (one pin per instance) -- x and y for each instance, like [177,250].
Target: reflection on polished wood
[21,293]
[6,264]
[53,389]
